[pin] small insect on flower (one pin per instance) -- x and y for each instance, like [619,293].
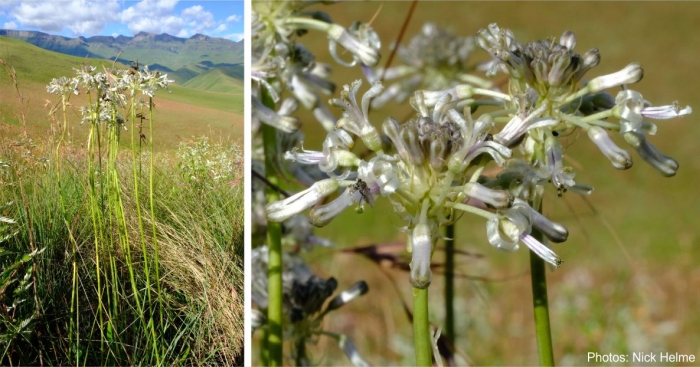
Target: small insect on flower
[134,67]
[365,195]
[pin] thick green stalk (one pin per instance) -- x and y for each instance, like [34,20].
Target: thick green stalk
[541,304]
[450,283]
[274,244]
[421,328]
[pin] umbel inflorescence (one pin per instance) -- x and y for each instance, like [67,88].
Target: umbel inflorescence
[433,168]
[109,90]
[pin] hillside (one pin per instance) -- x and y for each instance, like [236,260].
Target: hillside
[186,111]
[146,48]
[224,80]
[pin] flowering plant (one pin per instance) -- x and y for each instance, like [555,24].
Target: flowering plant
[472,146]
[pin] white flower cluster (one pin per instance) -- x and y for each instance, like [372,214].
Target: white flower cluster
[112,89]
[434,165]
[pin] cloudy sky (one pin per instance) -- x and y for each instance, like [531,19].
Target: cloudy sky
[72,18]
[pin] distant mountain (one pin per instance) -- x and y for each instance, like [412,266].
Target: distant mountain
[163,51]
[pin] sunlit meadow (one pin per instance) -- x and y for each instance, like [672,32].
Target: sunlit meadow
[113,252]
[628,271]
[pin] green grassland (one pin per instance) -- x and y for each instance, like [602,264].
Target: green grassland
[631,261]
[114,251]
[190,112]
[223,79]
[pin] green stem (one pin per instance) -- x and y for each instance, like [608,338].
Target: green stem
[421,328]
[540,304]
[300,355]
[151,200]
[450,283]
[274,243]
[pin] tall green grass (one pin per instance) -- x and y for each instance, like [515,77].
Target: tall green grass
[119,256]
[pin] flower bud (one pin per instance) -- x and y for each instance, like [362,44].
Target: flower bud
[555,232]
[560,70]
[664,164]
[422,248]
[498,199]
[366,54]
[358,289]
[568,40]
[619,157]
[632,73]
[590,60]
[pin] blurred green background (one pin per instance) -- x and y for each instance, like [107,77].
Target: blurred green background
[630,275]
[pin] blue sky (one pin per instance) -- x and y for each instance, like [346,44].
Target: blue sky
[73,18]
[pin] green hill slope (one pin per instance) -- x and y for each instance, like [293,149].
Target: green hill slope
[34,64]
[222,80]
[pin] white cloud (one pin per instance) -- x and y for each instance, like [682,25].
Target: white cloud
[234,18]
[200,19]
[10,25]
[152,16]
[220,28]
[81,17]
[157,16]
[234,36]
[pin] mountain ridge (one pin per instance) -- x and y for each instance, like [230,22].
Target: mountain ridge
[146,48]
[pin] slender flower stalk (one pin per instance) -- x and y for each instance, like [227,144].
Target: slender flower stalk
[274,242]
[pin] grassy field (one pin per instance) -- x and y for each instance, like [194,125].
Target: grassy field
[631,259]
[227,80]
[116,251]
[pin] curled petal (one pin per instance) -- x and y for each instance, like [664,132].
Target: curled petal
[502,234]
